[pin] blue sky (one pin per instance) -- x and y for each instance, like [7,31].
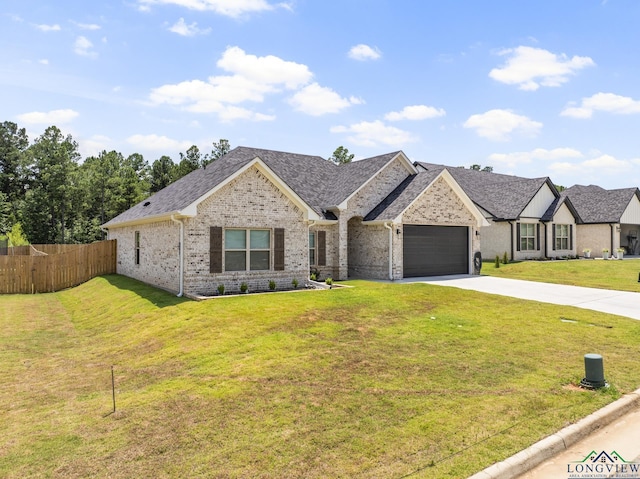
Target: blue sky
[532,88]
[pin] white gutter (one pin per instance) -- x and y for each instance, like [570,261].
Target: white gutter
[389,226]
[181,259]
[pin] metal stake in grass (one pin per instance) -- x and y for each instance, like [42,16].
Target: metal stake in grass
[113,389]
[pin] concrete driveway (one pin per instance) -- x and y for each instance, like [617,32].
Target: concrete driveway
[607,301]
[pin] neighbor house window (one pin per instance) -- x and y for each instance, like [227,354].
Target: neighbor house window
[137,246]
[527,237]
[562,237]
[312,249]
[247,250]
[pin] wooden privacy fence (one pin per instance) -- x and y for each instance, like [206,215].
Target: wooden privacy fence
[47,268]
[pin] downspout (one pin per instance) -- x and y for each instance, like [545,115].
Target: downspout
[389,226]
[311,223]
[181,256]
[513,258]
[612,226]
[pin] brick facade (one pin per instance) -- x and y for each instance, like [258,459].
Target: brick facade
[250,201]
[369,244]
[159,253]
[253,200]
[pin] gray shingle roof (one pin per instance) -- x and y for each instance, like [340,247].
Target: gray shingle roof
[597,205]
[186,190]
[353,175]
[502,196]
[319,182]
[400,198]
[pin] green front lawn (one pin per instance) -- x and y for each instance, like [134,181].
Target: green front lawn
[611,274]
[379,380]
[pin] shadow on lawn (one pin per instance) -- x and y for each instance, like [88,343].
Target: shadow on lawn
[157,297]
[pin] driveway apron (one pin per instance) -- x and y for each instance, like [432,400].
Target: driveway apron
[622,303]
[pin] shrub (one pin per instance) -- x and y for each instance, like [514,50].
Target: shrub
[272,285]
[294,283]
[221,289]
[313,277]
[505,258]
[329,281]
[244,287]
[497,261]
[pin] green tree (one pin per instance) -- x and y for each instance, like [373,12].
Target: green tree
[189,161]
[5,214]
[162,173]
[341,156]
[220,149]
[101,175]
[13,145]
[16,236]
[54,161]
[488,169]
[134,184]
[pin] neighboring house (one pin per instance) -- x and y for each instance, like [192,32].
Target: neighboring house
[259,215]
[527,217]
[610,219]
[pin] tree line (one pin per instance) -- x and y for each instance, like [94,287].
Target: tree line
[47,195]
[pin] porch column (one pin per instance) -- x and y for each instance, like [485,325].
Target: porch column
[343,247]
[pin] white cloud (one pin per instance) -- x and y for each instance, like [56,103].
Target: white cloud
[498,125]
[364,52]
[181,28]
[316,100]
[608,102]
[268,70]
[53,117]
[230,113]
[591,170]
[83,47]
[48,28]
[158,143]
[539,154]
[230,8]
[530,68]
[86,26]
[94,145]
[606,162]
[375,133]
[415,112]
[43,61]
[251,79]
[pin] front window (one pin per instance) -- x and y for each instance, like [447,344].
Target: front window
[312,249]
[137,246]
[247,250]
[527,237]
[562,237]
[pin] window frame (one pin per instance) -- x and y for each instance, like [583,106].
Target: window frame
[560,238]
[313,250]
[136,247]
[527,239]
[248,250]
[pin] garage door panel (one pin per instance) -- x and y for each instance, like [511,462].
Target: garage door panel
[435,250]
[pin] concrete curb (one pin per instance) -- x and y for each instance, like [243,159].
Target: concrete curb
[548,447]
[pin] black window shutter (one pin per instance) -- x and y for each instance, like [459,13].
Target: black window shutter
[517,236]
[215,249]
[553,232]
[538,236]
[570,236]
[322,248]
[278,249]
